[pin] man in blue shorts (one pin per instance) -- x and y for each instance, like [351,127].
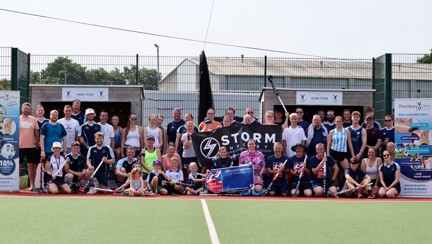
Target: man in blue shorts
[316,165]
[274,165]
[96,154]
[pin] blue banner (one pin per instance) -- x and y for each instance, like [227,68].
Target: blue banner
[9,136]
[232,179]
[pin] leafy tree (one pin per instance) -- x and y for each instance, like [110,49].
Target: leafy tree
[426,59]
[63,70]
[5,84]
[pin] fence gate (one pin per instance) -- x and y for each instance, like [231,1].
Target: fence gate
[381,77]
[20,74]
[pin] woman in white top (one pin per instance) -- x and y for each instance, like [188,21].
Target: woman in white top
[155,131]
[370,166]
[131,136]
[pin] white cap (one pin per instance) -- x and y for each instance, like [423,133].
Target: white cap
[89,111]
[56,144]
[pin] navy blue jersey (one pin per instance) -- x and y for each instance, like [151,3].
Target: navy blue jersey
[303,124]
[96,154]
[296,163]
[389,173]
[313,162]
[172,129]
[196,185]
[40,123]
[79,117]
[319,136]
[346,124]
[356,139]
[88,131]
[329,126]
[160,177]
[222,162]
[77,164]
[124,163]
[357,175]
[274,163]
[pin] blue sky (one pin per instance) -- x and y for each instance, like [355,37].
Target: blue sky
[345,29]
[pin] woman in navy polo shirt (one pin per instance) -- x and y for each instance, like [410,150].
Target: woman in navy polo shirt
[389,175]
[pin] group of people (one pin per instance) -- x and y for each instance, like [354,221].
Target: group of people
[314,159]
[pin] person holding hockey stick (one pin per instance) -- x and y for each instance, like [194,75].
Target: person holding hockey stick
[76,168]
[96,154]
[355,177]
[316,165]
[275,166]
[297,168]
[54,171]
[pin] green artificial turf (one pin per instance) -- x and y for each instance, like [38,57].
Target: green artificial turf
[158,220]
[321,221]
[101,220]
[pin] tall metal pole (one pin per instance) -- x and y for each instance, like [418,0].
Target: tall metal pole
[158,76]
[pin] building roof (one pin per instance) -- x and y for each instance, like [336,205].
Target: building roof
[312,68]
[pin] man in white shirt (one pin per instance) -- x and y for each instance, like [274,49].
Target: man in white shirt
[107,129]
[71,126]
[292,135]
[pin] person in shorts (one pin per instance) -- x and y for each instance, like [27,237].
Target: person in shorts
[76,168]
[297,167]
[275,166]
[157,178]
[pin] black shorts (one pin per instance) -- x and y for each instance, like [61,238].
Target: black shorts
[279,188]
[303,186]
[102,178]
[31,154]
[338,156]
[59,181]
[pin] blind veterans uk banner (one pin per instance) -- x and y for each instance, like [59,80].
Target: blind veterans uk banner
[9,135]
[235,138]
[413,133]
[231,179]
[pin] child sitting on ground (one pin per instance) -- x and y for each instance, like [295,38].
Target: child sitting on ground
[195,179]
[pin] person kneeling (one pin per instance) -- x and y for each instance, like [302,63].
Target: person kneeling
[355,177]
[55,172]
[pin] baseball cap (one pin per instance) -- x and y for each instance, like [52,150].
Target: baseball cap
[156,162]
[207,120]
[150,137]
[89,111]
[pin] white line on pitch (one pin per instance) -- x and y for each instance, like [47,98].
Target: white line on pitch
[212,230]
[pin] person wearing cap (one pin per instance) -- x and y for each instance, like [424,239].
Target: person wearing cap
[207,125]
[87,131]
[356,177]
[77,114]
[96,154]
[296,166]
[373,136]
[292,135]
[210,119]
[51,132]
[358,136]
[275,165]
[157,178]
[316,165]
[369,111]
[149,155]
[54,171]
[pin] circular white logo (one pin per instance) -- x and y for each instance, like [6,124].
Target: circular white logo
[209,147]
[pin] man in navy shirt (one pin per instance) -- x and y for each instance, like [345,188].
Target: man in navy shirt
[77,114]
[316,165]
[97,154]
[387,133]
[275,165]
[297,167]
[316,133]
[174,125]
[355,177]
[87,131]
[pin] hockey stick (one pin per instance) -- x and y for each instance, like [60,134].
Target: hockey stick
[45,189]
[221,194]
[270,78]
[297,191]
[179,183]
[348,190]
[274,178]
[325,176]
[94,173]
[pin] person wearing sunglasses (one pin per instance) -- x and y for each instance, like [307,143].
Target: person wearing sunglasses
[132,135]
[389,175]
[388,132]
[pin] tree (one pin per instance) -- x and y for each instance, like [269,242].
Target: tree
[426,59]
[5,84]
[63,71]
